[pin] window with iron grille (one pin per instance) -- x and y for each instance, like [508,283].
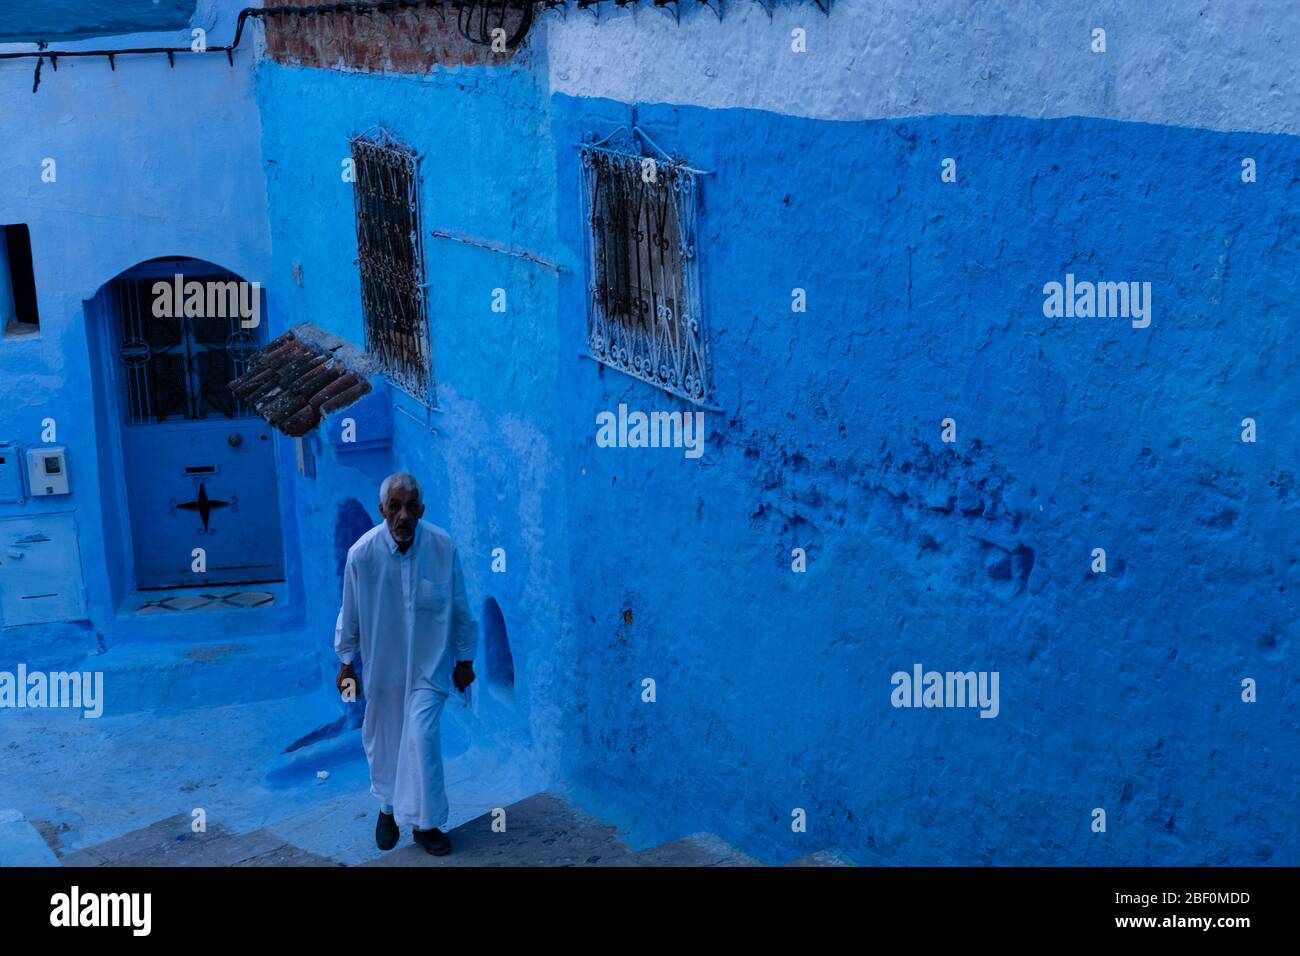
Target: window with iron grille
[390,255]
[643,316]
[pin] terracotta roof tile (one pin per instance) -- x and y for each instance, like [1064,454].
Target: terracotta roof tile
[302,375]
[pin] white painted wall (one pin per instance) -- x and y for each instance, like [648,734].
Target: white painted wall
[1226,65]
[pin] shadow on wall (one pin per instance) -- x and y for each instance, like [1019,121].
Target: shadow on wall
[496,649]
[352,523]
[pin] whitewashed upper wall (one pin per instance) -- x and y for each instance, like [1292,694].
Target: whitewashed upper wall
[1226,65]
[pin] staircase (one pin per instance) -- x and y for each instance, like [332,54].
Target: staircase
[542,830]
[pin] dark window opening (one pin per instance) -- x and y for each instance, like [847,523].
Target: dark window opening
[17,283]
[390,255]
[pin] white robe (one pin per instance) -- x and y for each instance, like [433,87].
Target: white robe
[409,617]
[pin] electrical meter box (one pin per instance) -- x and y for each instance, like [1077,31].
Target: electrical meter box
[11,474]
[47,471]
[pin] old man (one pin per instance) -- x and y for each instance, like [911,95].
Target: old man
[406,612]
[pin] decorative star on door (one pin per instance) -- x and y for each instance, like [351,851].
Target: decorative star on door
[205,506]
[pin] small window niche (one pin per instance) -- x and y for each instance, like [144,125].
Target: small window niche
[18,315]
[500,662]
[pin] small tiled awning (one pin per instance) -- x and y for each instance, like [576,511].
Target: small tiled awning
[301,376]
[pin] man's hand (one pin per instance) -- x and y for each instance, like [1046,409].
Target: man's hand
[348,691]
[463,675]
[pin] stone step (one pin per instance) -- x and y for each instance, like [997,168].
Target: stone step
[547,830]
[698,849]
[544,830]
[21,844]
[822,858]
[171,842]
[170,677]
[541,830]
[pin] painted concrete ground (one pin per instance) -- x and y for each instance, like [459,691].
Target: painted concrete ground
[123,790]
[251,765]
[114,821]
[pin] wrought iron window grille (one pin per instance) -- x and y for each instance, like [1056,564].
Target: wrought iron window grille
[390,257]
[643,290]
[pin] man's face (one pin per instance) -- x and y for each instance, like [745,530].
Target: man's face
[401,511]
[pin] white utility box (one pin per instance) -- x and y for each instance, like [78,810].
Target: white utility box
[47,471]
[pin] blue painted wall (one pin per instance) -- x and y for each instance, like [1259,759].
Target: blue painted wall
[1118,691]
[924,302]
[183,177]
[490,457]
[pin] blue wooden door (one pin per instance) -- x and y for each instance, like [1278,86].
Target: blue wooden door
[199,466]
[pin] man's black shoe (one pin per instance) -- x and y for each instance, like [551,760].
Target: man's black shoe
[386,831]
[435,841]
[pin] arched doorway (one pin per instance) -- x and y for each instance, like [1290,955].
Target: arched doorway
[198,466]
